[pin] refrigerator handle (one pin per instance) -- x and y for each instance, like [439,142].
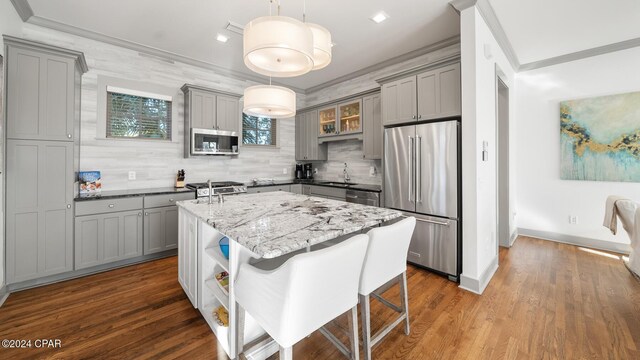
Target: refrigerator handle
[419,168]
[411,165]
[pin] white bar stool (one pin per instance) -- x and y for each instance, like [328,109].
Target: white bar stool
[386,260]
[305,293]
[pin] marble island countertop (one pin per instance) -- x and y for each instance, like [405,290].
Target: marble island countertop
[277,223]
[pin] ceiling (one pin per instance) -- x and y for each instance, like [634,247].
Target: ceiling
[543,29]
[189,27]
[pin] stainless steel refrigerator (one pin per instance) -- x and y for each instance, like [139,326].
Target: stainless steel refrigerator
[422,178]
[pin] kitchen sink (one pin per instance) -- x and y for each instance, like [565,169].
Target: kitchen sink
[336,183]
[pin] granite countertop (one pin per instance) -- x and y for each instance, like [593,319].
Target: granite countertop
[132,193]
[277,223]
[337,184]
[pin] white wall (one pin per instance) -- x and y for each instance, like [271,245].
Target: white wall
[479,180]
[10,22]
[156,162]
[544,201]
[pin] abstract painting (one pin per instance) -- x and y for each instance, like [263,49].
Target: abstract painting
[600,138]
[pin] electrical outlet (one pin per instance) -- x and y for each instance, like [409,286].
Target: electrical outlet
[284,171]
[573,219]
[132,175]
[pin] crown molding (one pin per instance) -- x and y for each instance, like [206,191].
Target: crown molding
[447,60]
[489,16]
[393,61]
[78,56]
[23,9]
[583,54]
[154,52]
[459,5]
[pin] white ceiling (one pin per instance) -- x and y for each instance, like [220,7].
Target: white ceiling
[543,29]
[189,27]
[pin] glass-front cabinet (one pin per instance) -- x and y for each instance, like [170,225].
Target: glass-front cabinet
[327,118]
[350,117]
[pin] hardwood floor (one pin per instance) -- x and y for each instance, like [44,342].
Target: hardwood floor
[546,301]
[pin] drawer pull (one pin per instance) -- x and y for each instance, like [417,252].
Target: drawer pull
[146,214]
[139,214]
[111,205]
[170,200]
[413,253]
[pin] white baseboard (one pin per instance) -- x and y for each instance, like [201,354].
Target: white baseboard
[4,294]
[478,285]
[577,240]
[514,236]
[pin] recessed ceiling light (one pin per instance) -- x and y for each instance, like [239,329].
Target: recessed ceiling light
[222,38]
[379,17]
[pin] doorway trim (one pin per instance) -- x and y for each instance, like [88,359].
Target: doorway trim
[502,157]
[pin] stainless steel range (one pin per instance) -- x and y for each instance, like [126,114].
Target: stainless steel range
[218,187]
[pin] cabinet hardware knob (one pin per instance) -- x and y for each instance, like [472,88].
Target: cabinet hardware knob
[68,206]
[170,200]
[111,205]
[139,214]
[419,116]
[69,136]
[146,214]
[413,117]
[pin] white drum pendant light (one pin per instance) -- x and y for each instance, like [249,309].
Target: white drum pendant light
[321,46]
[269,101]
[278,46]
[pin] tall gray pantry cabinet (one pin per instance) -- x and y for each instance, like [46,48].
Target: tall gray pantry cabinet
[42,156]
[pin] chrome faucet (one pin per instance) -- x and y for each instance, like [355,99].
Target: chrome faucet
[345,172]
[210,192]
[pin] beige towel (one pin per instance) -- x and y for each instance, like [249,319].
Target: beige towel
[611,213]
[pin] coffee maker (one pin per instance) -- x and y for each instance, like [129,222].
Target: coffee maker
[299,172]
[308,171]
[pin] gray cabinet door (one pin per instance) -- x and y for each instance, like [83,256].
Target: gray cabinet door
[160,229]
[40,96]
[301,137]
[314,150]
[439,93]
[227,113]
[428,95]
[105,238]
[399,101]
[449,94]
[202,110]
[39,216]
[372,127]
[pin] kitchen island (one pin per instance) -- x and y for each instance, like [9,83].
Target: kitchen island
[260,227]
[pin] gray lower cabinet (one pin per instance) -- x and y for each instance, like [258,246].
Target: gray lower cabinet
[264,189]
[372,127]
[105,238]
[307,147]
[328,192]
[296,188]
[39,215]
[160,229]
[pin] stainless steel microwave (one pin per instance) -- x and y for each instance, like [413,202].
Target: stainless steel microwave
[213,142]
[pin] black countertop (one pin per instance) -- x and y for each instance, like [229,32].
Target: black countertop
[132,193]
[334,184]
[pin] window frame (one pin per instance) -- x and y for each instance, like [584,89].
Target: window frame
[275,122]
[141,97]
[137,88]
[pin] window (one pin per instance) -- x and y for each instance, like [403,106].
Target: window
[137,115]
[258,130]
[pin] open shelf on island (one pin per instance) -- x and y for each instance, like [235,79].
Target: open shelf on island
[216,254]
[218,292]
[221,332]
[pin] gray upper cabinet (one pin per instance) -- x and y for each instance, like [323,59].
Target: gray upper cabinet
[105,238]
[210,109]
[372,127]
[228,113]
[399,101]
[201,109]
[39,216]
[429,95]
[42,88]
[307,147]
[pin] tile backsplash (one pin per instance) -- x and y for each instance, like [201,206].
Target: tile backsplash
[350,152]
